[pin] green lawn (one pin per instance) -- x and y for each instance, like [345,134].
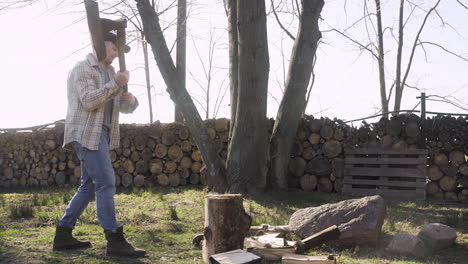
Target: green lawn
[163,221]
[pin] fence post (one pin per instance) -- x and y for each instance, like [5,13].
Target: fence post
[423,118]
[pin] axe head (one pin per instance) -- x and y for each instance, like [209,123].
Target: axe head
[95,28]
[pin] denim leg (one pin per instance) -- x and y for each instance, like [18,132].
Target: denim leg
[99,167]
[82,197]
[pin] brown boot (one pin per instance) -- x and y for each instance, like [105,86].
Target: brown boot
[64,240]
[117,245]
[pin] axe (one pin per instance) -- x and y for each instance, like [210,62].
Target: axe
[97,26]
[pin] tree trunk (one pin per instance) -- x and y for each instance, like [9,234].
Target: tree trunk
[233,60]
[147,77]
[216,170]
[249,140]
[380,59]
[181,50]
[226,224]
[293,103]
[398,85]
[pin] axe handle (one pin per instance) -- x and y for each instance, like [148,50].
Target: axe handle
[121,47]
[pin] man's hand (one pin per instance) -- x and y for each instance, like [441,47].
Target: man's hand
[127,98]
[121,78]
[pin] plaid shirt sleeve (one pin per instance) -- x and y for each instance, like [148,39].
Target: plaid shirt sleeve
[90,96]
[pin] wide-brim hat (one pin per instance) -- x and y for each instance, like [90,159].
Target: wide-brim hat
[109,36]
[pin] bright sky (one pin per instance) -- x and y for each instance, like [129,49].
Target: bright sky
[41,44]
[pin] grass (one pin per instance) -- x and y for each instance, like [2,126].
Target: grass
[163,221]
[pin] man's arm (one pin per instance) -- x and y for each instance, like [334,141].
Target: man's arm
[90,96]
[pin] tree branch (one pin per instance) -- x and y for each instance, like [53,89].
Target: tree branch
[279,22]
[354,41]
[444,49]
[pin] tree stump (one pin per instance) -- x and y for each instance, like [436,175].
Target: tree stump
[226,224]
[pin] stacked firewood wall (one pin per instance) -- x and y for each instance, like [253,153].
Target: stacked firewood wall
[318,152]
[447,139]
[165,154]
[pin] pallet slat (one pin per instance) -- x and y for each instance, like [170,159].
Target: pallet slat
[371,151]
[387,172]
[385,183]
[373,160]
[413,194]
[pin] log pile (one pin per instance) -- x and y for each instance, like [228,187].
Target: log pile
[317,160]
[165,154]
[447,142]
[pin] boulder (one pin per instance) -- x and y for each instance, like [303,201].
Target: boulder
[359,220]
[406,244]
[437,236]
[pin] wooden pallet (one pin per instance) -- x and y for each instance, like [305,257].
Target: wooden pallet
[387,172]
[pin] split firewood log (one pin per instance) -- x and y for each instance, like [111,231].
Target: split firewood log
[184,133]
[139,181]
[147,154]
[463,169]
[184,173]
[174,179]
[156,166]
[315,125]
[196,155]
[221,124]
[141,167]
[308,182]
[160,150]
[457,157]
[326,132]
[332,148]
[194,178]
[448,183]
[432,188]
[314,139]
[297,166]
[129,166]
[186,146]
[211,132]
[139,142]
[325,185]
[434,173]
[196,167]
[127,180]
[412,129]
[175,152]
[309,153]
[168,138]
[186,162]
[440,159]
[162,179]
[170,166]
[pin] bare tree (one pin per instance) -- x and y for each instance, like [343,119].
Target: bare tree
[209,71]
[9,5]
[249,149]
[378,52]
[181,49]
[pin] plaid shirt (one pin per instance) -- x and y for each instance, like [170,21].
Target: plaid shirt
[87,96]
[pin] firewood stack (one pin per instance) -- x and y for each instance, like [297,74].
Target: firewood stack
[165,154]
[447,142]
[318,158]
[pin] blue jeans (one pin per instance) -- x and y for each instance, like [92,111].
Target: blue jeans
[97,182]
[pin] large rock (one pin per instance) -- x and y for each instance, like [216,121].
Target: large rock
[437,236]
[406,244]
[359,220]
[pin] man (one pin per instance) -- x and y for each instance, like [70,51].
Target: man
[95,98]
